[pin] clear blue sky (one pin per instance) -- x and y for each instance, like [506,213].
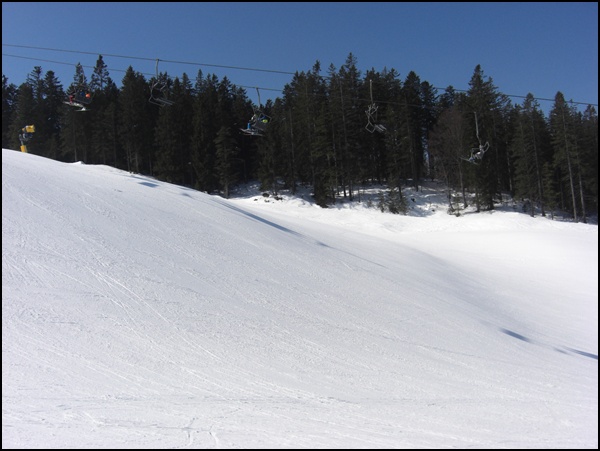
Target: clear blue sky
[537,48]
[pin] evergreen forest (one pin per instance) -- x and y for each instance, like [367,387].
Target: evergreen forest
[334,130]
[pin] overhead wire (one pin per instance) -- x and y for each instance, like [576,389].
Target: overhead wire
[111,69]
[217,66]
[154,59]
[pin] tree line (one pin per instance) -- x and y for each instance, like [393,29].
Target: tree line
[320,135]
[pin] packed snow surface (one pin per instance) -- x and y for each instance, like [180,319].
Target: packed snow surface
[141,314]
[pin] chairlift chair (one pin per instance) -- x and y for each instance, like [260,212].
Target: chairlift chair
[477,152]
[371,118]
[158,90]
[79,95]
[257,125]
[371,113]
[259,121]
[79,98]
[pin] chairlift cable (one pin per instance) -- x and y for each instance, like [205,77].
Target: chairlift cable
[225,67]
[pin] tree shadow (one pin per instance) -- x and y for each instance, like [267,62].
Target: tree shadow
[515,335]
[564,350]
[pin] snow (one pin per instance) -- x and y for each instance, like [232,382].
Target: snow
[140,314]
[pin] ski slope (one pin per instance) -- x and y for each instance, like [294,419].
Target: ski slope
[140,314]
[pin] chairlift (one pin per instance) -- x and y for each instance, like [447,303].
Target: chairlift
[259,121]
[158,90]
[477,152]
[79,95]
[371,113]
[76,104]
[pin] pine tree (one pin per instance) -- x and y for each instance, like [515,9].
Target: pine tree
[136,128]
[52,108]
[205,128]
[429,118]
[166,166]
[271,164]
[325,183]
[393,157]
[374,143]
[9,104]
[522,152]
[239,109]
[550,183]
[447,144]
[172,135]
[589,155]
[24,111]
[285,133]
[302,98]
[562,126]
[100,77]
[37,115]
[105,141]
[350,87]
[528,148]
[225,160]
[413,121]
[487,107]
[77,129]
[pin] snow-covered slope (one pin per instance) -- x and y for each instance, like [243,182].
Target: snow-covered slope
[136,313]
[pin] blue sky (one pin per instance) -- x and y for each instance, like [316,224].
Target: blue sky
[537,48]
